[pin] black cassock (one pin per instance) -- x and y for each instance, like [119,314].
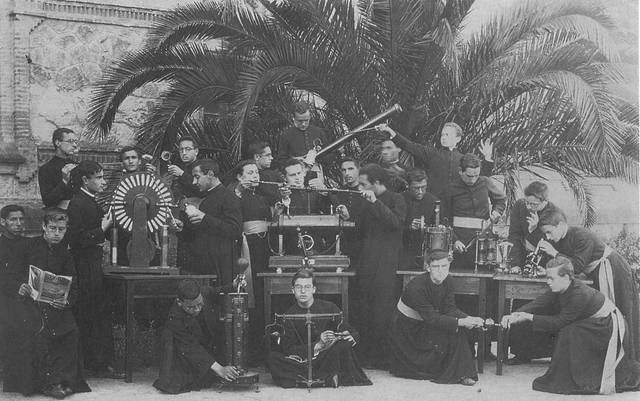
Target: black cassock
[190,346]
[381,226]
[583,247]
[92,311]
[215,236]
[289,365]
[43,342]
[410,256]
[429,344]
[579,354]
[52,189]
[523,240]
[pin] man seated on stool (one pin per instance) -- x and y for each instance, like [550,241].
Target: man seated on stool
[192,340]
[590,353]
[429,336]
[334,361]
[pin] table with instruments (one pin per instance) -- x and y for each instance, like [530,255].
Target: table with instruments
[140,286]
[515,286]
[326,283]
[465,282]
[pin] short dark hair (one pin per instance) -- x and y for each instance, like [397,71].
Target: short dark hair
[303,273]
[551,218]
[437,254]
[564,266]
[58,135]
[350,159]
[188,289]
[469,160]
[54,214]
[190,139]
[538,190]
[288,163]
[301,107]
[256,148]
[207,165]
[5,211]
[239,169]
[375,172]
[86,168]
[129,149]
[416,175]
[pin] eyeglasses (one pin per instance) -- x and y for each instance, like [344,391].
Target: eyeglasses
[183,150]
[57,229]
[307,287]
[533,204]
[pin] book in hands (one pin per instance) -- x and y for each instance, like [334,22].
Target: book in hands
[48,287]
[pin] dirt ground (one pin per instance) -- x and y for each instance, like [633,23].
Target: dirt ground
[514,385]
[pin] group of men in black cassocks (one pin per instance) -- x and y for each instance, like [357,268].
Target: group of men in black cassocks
[421,334]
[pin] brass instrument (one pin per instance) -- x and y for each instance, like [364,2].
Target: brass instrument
[351,134]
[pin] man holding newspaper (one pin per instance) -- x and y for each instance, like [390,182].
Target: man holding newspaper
[43,348]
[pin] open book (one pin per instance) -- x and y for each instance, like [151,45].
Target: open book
[48,287]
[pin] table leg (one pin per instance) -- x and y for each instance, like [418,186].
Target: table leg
[129,344]
[267,300]
[482,309]
[501,346]
[344,291]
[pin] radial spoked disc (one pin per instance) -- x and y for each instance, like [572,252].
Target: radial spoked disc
[144,185]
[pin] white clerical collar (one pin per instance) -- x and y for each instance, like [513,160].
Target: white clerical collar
[87,192]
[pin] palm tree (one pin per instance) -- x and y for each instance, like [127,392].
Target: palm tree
[536,80]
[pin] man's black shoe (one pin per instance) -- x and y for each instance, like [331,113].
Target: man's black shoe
[67,390]
[108,373]
[55,391]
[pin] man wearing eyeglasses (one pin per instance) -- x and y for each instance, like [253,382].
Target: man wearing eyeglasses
[334,361]
[183,186]
[54,175]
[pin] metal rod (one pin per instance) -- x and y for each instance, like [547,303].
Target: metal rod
[282,184]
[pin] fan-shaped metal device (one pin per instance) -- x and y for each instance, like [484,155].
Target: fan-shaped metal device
[143,187]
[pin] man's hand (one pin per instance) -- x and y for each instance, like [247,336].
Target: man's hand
[546,247]
[24,290]
[343,212]
[310,158]
[385,128]
[416,224]
[229,373]
[317,184]
[470,322]
[515,318]
[195,215]
[107,222]
[532,221]
[66,172]
[486,148]
[459,247]
[176,224]
[58,304]
[495,216]
[175,170]
[150,168]
[369,195]
[345,335]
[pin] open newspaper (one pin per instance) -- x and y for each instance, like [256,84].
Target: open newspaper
[48,287]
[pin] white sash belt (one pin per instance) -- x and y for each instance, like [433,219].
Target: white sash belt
[255,227]
[408,311]
[615,350]
[468,222]
[605,274]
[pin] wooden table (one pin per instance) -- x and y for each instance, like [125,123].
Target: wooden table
[137,286]
[326,283]
[465,282]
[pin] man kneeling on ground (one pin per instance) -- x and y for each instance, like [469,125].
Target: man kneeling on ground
[334,361]
[192,340]
[589,355]
[429,334]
